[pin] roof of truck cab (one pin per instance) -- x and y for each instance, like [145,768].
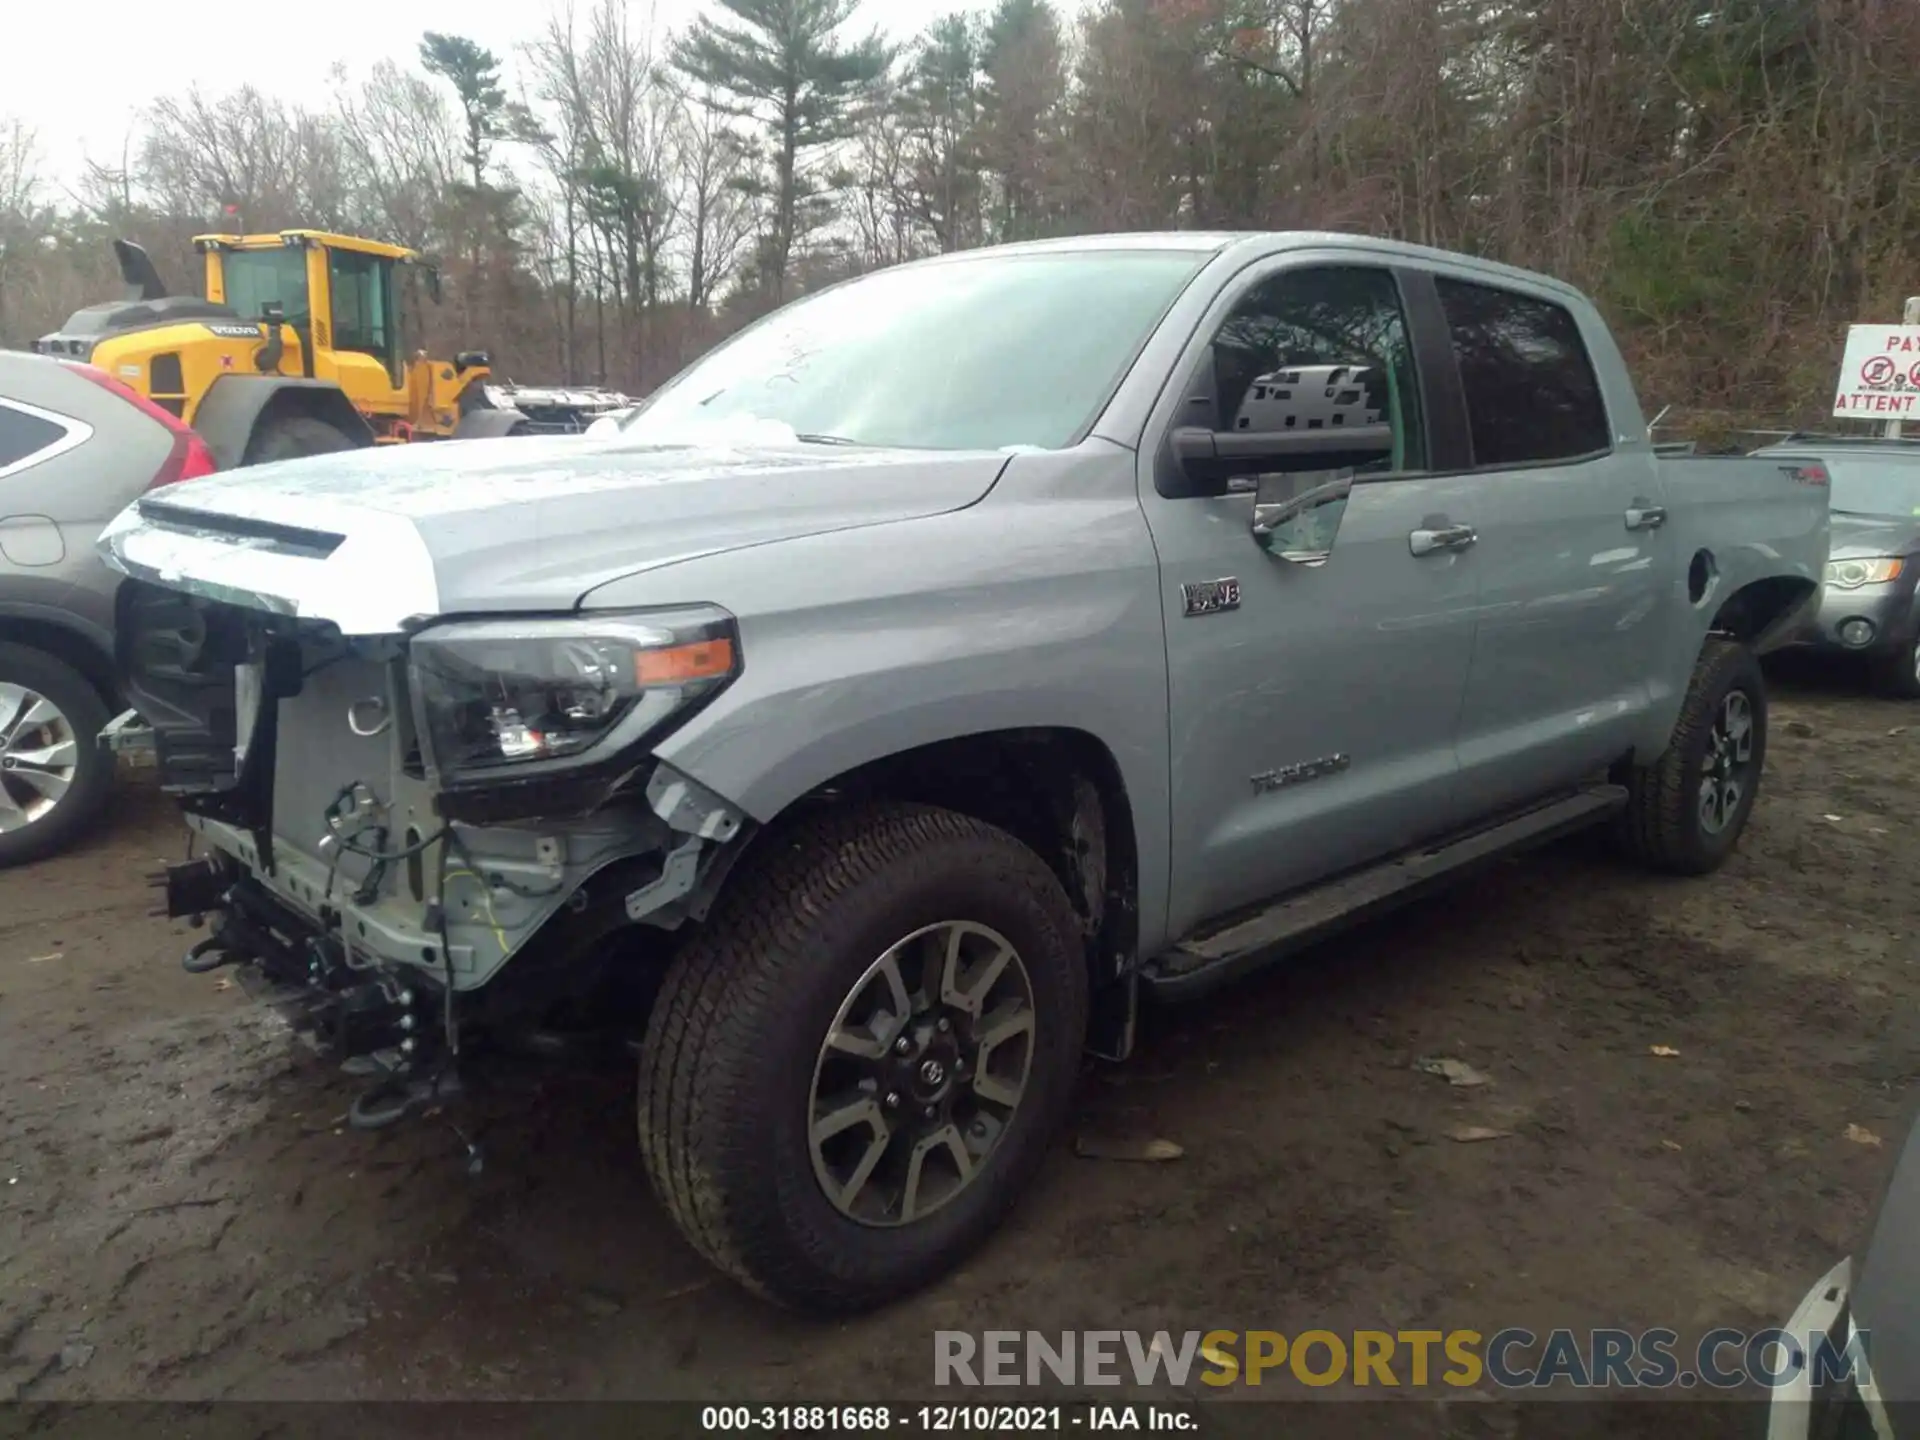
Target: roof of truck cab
[1257,243]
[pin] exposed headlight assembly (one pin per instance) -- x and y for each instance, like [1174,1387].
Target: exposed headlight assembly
[1852,574]
[515,698]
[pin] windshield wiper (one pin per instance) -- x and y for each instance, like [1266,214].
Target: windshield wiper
[829,440]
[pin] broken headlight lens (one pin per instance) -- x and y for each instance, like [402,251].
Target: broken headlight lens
[506,694]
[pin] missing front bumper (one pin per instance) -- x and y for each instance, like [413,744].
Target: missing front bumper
[347,1010]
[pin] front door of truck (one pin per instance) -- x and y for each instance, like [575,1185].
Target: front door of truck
[1573,550]
[1317,674]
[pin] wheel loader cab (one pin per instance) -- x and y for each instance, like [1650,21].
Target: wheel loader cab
[307,341]
[347,302]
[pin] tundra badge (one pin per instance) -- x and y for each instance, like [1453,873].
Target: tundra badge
[1210,597]
[1294,774]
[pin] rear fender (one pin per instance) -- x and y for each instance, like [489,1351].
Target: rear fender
[236,406]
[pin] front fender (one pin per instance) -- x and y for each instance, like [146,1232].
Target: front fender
[1037,608]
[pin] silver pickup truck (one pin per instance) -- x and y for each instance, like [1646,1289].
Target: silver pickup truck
[929,673]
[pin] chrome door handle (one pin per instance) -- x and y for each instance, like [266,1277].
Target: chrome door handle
[1446,537]
[1646,517]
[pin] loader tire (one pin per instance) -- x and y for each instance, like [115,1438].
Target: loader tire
[1686,811]
[293,436]
[782,1019]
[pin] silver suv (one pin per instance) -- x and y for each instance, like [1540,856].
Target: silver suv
[76,446]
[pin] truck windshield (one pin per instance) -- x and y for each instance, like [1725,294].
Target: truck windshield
[984,353]
[258,278]
[1875,487]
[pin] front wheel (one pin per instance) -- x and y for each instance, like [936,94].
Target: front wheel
[1898,674]
[856,1067]
[1686,811]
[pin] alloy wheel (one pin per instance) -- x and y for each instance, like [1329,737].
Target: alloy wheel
[39,756]
[921,1073]
[1725,777]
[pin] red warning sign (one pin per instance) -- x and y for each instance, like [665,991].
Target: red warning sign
[1878,371]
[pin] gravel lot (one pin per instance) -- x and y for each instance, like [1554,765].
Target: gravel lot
[182,1216]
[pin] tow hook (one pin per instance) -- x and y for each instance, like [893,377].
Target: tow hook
[398,1096]
[207,955]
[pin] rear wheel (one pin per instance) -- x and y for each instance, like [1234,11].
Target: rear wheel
[54,777]
[855,1069]
[292,436]
[1686,811]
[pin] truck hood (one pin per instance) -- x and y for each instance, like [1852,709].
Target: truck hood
[1857,536]
[374,540]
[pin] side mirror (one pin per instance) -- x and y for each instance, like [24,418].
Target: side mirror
[433,285]
[1209,460]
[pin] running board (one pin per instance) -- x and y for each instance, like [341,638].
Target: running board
[1197,966]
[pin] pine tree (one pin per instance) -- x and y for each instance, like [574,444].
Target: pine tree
[782,62]
[474,73]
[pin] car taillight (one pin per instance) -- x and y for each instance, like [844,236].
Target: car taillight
[189,458]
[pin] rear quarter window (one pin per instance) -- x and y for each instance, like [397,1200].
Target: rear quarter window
[27,436]
[1532,395]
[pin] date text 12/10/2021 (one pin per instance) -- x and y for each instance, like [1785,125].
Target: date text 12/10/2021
[946,1419]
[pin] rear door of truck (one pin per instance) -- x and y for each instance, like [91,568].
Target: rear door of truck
[1574,553]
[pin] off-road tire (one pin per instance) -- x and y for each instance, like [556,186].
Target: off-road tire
[727,1066]
[92,785]
[1898,674]
[292,436]
[1661,827]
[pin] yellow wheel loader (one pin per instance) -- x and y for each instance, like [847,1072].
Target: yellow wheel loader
[300,347]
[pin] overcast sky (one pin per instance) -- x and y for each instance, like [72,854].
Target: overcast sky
[135,51]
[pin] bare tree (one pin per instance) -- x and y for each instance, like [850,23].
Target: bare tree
[716,195]
[22,221]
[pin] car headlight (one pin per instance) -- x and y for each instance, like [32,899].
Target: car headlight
[1852,574]
[508,696]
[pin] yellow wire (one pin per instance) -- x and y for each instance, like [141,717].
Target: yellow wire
[486,893]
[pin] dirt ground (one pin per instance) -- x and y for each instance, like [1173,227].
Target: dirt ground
[182,1215]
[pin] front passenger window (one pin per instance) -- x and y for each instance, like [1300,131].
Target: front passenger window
[1319,349]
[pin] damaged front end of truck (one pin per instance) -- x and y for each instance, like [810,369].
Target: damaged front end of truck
[412,835]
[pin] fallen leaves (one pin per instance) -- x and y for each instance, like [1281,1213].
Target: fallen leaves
[1665,1052]
[1860,1135]
[1473,1134]
[1454,1072]
[1094,1147]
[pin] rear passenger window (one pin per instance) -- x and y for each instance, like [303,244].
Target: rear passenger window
[22,436]
[1532,395]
